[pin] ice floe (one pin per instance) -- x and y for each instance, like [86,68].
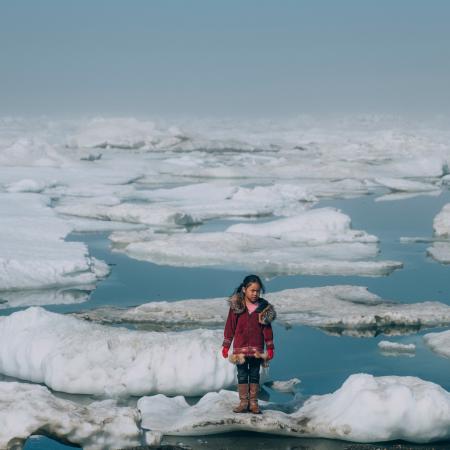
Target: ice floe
[283,386]
[27,409]
[336,309]
[440,247]
[363,409]
[439,343]
[34,253]
[395,348]
[74,356]
[317,242]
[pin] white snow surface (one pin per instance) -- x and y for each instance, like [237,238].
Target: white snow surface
[440,251]
[28,409]
[318,241]
[364,409]
[439,343]
[335,308]
[396,347]
[441,223]
[74,356]
[34,254]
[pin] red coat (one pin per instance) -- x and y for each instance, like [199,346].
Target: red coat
[249,332]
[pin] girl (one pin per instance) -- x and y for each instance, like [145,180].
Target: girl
[248,324]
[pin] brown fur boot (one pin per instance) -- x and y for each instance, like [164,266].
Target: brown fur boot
[253,404]
[243,397]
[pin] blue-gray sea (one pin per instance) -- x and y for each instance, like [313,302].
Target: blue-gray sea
[322,361]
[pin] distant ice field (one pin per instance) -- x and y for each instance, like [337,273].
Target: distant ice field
[123,212]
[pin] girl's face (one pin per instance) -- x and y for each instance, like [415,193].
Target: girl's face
[251,292]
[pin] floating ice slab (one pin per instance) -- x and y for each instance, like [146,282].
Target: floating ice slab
[75,356]
[340,309]
[34,254]
[283,386]
[441,223]
[318,242]
[439,343]
[404,185]
[27,409]
[396,349]
[440,247]
[440,251]
[364,409]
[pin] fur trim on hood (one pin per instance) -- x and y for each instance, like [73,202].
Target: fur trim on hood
[266,311]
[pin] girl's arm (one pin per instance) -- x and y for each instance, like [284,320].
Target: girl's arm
[268,336]
[230,328]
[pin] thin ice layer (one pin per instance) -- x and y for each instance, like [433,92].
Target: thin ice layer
[338,308]
[439,343]
[364,409]
[74,356]
[34,253]
[27,409]
[316,242]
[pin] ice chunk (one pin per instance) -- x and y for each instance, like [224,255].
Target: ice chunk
[283,386]
[317,226]
[439,343]
[441,223]
[315,242]
[34,254]
[395,348]
[404,185]
[75,356]
[27,409]
[338,309]
[364,409]
[440,251]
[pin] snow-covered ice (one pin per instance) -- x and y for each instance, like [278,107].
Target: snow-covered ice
[74,356]
[363,409]
[341,308]
[28,409]
[441,223]
[283,386]
[439,343]
[318,241]
[34,254]
[389,348]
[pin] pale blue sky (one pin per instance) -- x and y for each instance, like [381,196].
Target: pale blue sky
[224,58]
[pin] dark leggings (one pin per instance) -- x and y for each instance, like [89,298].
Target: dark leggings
[249,371]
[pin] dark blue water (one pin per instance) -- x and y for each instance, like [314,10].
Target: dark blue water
[321,361]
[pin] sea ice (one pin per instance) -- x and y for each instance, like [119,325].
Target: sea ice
[440,247]
[441,223]
[74,356]
[315,242]
[363,409]
[439,343]
[28,409]
[396,349]
[340,309]
[34,253]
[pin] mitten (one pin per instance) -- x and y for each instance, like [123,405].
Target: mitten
[270,353]
[225,352]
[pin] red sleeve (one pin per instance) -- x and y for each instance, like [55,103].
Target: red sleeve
[230,328]
[268,336]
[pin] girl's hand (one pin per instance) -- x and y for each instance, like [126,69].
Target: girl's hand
[269,353]
[225,352]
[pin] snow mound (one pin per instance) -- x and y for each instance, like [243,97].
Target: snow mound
[27,409]
[315,242]
[439,343]
[364,409]
[75,356]
[337,309]
[34,253]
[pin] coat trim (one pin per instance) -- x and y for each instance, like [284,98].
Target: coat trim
[266,311]
[239,358]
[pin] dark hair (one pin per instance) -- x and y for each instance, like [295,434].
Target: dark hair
[249,279]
